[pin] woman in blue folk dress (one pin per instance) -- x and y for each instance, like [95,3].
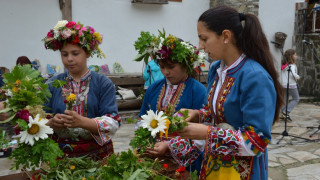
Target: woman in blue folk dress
[244,98]
[86,126]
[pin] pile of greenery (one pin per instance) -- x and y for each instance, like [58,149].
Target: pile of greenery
[126,165]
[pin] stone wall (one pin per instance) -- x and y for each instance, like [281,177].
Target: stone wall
[309,62]
[246,6]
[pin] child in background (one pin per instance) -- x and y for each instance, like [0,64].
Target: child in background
[289,60]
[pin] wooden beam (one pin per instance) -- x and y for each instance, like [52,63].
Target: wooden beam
[66,9]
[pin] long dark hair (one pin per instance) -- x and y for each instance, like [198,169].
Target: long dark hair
[250,39]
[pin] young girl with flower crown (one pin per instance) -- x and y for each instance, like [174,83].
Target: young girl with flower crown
[177,89]
[85,114]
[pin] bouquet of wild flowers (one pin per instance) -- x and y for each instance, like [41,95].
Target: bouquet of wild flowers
[69,98]
[169,47]
[158,123]
[25,93]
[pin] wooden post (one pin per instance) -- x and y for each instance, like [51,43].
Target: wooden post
[66,9]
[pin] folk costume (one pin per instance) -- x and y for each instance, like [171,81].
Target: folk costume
[188,94]
[242,95]
[95,99]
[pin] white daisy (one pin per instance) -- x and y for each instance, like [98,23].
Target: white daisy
[37,130]
[155,122]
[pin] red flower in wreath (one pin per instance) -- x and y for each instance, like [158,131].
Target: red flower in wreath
[165,166]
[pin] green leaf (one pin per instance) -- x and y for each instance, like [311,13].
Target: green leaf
[139,57]
[58,83]
[91,170]
[22,124]
[21,73]
[138,174]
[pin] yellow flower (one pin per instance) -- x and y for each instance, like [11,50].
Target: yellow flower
[171,39]
[83,178]
[155,40]
[100,52]
[71,97]
[97,36]
[166,130]
[18,82]
[15,89]
[72,167]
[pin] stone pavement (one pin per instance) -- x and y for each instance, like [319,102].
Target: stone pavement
[292,159]
[296,158]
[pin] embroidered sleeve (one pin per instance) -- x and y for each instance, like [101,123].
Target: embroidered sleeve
[182,151]
[246,141]
[107,127]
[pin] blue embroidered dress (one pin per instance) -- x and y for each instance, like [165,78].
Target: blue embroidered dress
[95,99]
[188,94]
[246,101]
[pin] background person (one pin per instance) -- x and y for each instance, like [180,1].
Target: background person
[289,60]
[87,129]
[151,73]
[23,60]
[244,98]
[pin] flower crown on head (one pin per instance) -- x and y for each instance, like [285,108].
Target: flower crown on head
[167,48]
[74,33]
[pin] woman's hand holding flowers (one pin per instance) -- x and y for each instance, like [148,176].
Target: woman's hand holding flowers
[194,131]
[72,119]
[160,149]
[193,115]
[56,122]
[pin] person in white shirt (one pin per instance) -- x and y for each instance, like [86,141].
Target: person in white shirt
[289,61]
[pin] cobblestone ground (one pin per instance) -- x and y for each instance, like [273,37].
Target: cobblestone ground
[293,157]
